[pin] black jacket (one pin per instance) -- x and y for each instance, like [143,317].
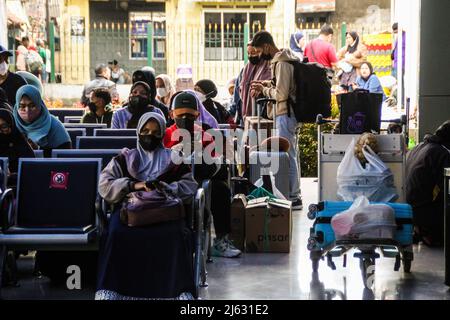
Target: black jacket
[425,166]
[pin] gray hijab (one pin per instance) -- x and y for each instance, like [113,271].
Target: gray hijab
[144,165]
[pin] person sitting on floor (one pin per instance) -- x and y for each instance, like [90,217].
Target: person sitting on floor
[149,262]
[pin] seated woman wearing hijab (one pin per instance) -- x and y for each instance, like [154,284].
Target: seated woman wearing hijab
[164,89]
[151,262]
[13,145]
[138,103]
[34,120]
[147,75]
[206,90]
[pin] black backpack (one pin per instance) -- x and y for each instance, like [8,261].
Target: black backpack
[313,92]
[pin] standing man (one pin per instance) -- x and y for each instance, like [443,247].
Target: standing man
[283,90]
[321,50]
[22,52]
[9,81]
[102,75]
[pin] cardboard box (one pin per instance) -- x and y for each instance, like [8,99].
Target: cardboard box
[237,234]
[268,226]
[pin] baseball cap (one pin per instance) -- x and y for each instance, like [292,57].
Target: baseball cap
[185,103]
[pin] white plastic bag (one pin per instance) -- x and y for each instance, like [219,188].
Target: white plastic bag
[375,181]
[277,193]
[365,221]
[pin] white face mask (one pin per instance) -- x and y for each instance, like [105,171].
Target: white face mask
[161,92]
[200,96]
[3,68]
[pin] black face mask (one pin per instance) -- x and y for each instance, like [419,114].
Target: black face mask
[92,107]
[266,57]
[254,60]
[185,123]
[149,142]
[137,104]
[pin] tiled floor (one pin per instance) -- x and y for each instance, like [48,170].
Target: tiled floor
[289,276]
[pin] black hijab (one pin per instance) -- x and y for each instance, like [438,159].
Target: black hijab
[14,145]
[355,37]
[137,114]
[149,78]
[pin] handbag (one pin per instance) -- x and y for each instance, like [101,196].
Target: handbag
[144,208]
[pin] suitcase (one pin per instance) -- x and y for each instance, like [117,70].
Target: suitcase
[263,162]
[323,233]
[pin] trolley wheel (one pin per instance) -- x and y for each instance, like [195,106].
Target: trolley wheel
[315,265]
[312,244]
[407,265]
[368,272]
[312,211]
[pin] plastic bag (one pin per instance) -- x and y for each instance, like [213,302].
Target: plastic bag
[375,181]
[365,221]
[277,193]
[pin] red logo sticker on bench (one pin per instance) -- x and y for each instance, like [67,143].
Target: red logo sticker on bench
[59,180]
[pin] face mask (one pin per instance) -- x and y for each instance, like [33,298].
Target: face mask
[254,60]
[137,103]
[3,68]
[149,142]
[200,96]
[92,107]
[185,123]
[161,92]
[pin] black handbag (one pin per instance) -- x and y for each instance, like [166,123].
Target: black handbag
[360,112]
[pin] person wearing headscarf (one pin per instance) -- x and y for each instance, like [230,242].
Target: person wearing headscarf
[424,183]
[257,69]
[164,89]
[185,112]
[368,80]
[13,144]
[152,262]
[33,119]
[297,44]
[4,103]
[351,57]
[206,91]
[139,103]
[148,76]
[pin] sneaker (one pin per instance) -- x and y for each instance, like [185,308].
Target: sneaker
[222,248]
[231,244]
[297,204]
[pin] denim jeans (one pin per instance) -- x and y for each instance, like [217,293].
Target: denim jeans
[286,127]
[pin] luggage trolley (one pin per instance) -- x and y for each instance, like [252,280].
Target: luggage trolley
[322,242]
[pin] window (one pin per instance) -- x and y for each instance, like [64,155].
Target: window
[224,34]
[138,34]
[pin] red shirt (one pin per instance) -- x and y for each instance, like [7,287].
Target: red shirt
[169,142]
[323,51]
